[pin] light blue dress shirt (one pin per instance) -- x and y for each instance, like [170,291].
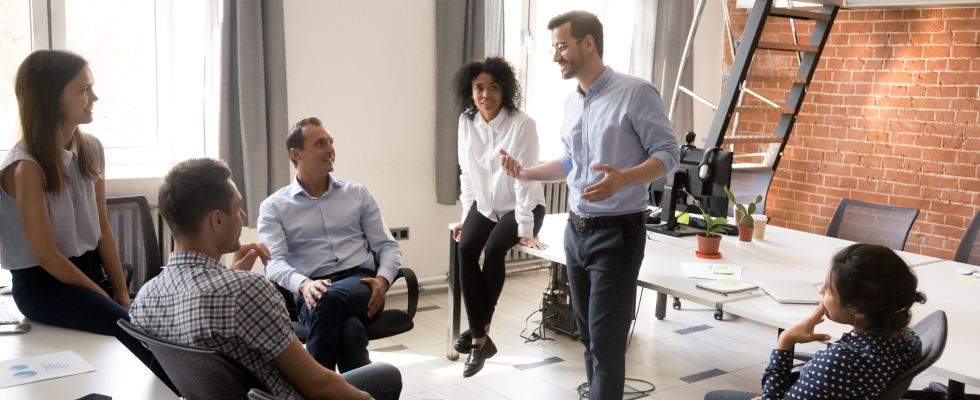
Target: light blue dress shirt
[312,237]
[621,122]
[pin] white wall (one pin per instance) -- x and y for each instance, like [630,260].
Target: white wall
[367,69]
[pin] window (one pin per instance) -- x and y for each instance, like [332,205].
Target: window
[148,60]
[526,44]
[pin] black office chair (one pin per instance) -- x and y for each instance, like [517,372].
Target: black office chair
[136,239]
[864,222]
[392,321]
[969,250]
[199,373]
[256,394]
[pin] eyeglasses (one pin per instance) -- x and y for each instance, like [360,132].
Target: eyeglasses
[561,47]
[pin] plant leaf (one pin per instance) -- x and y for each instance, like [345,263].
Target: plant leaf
[720,221]
[758,199]
[751,210]
[730,195]
[741,208]
[716,229]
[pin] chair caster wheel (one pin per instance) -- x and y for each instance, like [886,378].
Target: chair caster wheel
[719,315]
[677,303]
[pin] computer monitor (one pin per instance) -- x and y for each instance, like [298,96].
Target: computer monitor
[666,194]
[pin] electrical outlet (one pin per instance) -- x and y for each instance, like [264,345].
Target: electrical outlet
[399,233]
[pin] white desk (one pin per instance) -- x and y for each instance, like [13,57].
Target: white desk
[118,373]
[959,361]
[940,281]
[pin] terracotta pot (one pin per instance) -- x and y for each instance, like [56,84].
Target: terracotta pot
[709,245]
[745,233]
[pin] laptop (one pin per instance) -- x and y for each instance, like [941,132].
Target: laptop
[792,292]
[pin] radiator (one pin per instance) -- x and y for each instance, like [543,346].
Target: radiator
[165,237]
[555,202]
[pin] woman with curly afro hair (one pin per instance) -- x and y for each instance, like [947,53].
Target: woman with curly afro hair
[499,212]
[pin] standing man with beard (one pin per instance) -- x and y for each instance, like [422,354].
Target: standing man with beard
[617,139]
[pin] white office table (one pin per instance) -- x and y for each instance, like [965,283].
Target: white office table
[940,281]
[959,360]
[118,373]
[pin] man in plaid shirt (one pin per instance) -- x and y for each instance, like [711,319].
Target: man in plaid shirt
[196,301]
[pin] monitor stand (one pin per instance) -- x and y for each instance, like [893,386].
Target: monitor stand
[680,230]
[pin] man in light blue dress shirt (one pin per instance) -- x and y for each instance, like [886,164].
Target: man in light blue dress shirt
[617,139]
[329,243]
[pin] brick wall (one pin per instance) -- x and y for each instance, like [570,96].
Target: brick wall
[891,117]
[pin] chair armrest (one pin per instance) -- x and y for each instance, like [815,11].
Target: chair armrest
[412,284]
[287,296]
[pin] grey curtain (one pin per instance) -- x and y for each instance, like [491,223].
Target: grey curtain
[465,30]
[659,34]
[252,106]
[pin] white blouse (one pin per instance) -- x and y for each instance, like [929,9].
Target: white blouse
[74,214]
[484,180]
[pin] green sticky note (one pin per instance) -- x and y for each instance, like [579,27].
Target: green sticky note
[730,281]
[722,270]
[964,280]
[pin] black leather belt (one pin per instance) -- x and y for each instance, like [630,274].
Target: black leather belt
[336,276]
[611,221]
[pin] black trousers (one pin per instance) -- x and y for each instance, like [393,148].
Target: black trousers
[481,289]
[43,298]
[603,265]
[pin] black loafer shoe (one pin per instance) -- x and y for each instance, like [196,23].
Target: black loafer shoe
[463,342]
[478,355]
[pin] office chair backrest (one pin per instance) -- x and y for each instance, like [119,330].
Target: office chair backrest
[932,332]
[748,184]
[969,250]
[864,222]
[199,373]
[136,239]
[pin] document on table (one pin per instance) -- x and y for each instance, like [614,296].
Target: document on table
[711,271]
[781,310]
[38,368]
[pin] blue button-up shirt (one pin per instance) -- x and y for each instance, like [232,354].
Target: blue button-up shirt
[621,122]
[312,237]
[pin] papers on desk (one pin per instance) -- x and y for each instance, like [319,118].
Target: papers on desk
[39,368]
[781,310]
[711,271]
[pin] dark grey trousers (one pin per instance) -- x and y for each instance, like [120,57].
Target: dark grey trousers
[603,264]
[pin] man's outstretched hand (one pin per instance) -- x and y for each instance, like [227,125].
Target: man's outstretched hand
[512,167]
[612,183]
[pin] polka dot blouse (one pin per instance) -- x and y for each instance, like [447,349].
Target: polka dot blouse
[856,367]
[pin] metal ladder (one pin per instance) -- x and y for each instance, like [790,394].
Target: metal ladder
[732,97]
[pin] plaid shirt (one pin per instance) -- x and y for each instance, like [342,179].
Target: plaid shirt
[196,301]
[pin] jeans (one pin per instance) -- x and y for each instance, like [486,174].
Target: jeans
[481,288]
[603,265]
[337,338]
[381,380]
[43,298]
[730,395]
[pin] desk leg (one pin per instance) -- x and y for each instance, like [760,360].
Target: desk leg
[661,305]
[452,330]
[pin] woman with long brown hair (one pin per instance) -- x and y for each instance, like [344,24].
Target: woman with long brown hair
[54,229]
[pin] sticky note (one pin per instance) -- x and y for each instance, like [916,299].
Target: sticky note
[964,280]
[730,281]
[722,270]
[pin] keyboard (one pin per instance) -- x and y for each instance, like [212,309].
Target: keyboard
[697,221]
[7,316]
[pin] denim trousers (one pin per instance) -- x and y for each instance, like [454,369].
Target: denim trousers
[337,338]
[603,265]
[381,380]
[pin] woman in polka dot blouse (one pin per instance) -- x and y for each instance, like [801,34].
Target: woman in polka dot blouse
[871,288]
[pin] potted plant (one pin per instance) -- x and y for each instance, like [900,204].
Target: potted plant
[709,242]
[743,216]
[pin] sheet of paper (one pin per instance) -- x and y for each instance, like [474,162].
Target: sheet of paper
[779,310]
[38,368]
[707,271]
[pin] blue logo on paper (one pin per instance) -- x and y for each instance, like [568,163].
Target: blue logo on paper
[18,368]
[25,374]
